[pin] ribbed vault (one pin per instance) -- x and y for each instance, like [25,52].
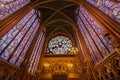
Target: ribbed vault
[57,15]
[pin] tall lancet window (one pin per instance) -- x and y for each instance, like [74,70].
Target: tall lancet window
[35,57]
[7,7]
[110,7]
[97,44]
[15,43]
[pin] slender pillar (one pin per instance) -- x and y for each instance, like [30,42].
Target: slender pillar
[25,63]
[9,22]
[110,26]
[85,52]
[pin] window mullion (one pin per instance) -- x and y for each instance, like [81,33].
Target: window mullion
[15,36]
[20,40]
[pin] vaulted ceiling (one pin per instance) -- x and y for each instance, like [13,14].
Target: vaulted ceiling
[58,16]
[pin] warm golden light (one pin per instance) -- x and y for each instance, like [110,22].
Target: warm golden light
[74,50]
[46,64]
[69,65]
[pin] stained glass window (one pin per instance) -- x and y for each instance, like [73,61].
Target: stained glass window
[59,45]
[34,60]
[7,7]
[15,43]
[109,7]
[97,44]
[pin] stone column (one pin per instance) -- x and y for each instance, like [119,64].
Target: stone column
[9,22]
[86,54]
[25,63]
[110,26]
